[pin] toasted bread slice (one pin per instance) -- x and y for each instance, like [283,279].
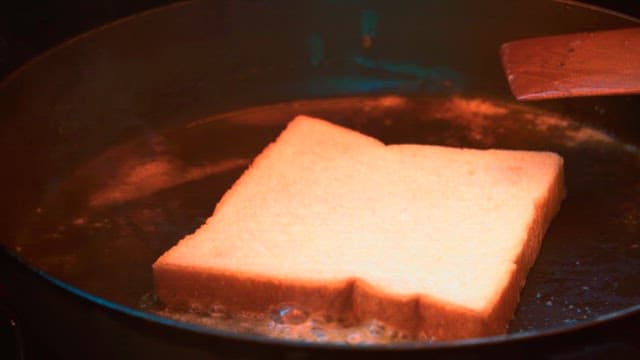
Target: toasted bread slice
[432,240]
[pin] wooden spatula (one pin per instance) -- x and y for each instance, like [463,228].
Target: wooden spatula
[584,64]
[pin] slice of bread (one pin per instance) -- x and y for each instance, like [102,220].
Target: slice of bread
[434,241]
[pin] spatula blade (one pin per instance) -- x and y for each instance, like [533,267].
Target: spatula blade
[572,65]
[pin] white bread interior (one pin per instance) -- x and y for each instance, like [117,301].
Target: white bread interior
[435,241]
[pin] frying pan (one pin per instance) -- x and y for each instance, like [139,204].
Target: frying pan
[119,142]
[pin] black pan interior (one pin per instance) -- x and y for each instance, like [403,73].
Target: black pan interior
[141,126]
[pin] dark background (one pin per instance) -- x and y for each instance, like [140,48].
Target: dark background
[28,28]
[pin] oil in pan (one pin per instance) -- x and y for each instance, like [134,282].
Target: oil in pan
[122,209]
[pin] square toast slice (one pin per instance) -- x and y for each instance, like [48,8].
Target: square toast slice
[434,241]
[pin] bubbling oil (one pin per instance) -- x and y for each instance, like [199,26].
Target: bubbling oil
[287,322]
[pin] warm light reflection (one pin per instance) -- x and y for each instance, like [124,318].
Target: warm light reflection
[154,175]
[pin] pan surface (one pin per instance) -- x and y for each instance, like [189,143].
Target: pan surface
[133,154]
